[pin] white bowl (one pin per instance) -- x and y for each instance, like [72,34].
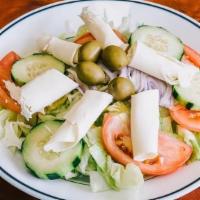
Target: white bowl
[21,36]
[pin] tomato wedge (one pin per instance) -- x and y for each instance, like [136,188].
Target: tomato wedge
[172,152]
[87,37]
[8,60]
[8,102]
[192,55]
[5,74]
[189,119]
[6,64]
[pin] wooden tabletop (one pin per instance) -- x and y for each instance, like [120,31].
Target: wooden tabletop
[11,9]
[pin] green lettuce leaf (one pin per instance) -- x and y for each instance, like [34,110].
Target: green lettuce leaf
[60,107]
[166,125]
[12,134]
[12,128]
[97,182]
[119,107]
[192,139]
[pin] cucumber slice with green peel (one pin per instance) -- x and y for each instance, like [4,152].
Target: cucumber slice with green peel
[48,165]
[28,68]
[189,96]
[159,39]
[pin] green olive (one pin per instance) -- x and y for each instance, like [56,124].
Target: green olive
[121,88]
[114,57]
[90,73]
[89,51]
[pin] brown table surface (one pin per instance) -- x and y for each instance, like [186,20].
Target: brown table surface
[9,10]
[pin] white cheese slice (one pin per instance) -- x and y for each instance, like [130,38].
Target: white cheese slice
[61,49]
[41,91]
[78,121]
[145,124]
[100,29]
[164,68]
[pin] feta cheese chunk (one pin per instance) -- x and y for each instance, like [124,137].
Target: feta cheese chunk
[61,49]
[41,91]
[145,124]
[78,120]
[100,29]
[159,66]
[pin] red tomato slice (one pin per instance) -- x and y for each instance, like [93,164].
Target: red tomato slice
[8,60]
[189,119]
[5,74]
[8,102]
[192,55]
[172,152]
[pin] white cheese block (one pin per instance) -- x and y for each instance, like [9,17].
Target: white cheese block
[100,29]
[61,49]
[41,91]
[145,124]
[164,68]
[78,121]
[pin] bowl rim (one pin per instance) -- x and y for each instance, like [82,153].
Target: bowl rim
[38,194]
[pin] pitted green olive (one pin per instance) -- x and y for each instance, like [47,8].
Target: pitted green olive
[114,57]
[90,51]
[121,88]
[90,73]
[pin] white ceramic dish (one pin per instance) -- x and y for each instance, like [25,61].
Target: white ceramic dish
[21,35]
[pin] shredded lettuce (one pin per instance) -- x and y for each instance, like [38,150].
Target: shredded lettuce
[97,182]
[11,135]
[99,155]
[80,179]
[46,117]
[70,175]
[60,107]
[5,115]
[192,139]
[12,129]
[83,166]
[118,107]
[166,125]
[23,124]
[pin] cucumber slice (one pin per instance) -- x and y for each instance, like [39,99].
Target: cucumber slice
[189,96]
[159,39]
[28,68]
[48,165]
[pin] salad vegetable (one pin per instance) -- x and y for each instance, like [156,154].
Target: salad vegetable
[190,119]
[28,68]
[159,39]
[192,55]
[96,108]
[173,153]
